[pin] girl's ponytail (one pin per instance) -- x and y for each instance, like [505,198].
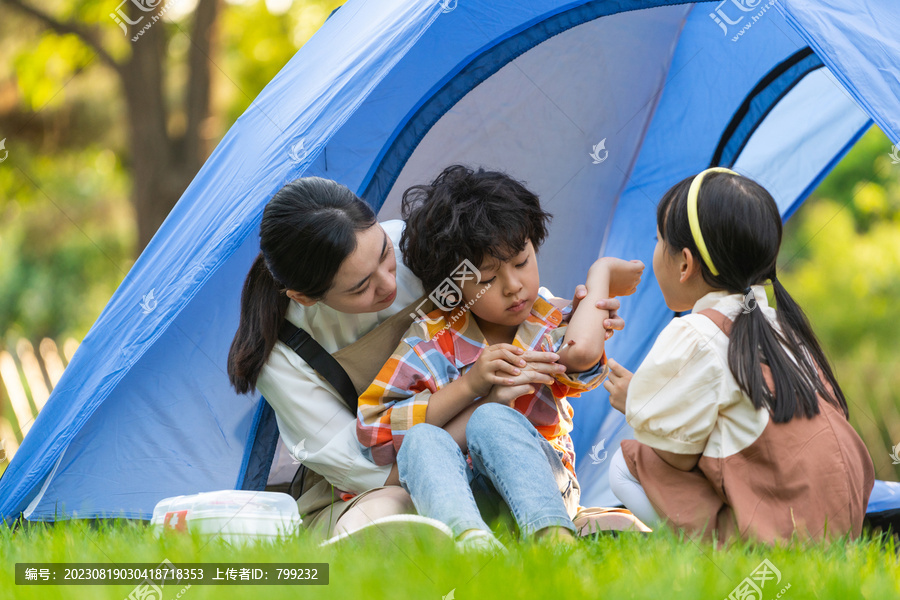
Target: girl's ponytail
[792,319]
[791,355]
[262,313]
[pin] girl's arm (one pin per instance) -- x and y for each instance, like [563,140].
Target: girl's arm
[584,343]
[617,384]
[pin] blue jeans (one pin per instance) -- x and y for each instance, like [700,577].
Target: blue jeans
[510,460]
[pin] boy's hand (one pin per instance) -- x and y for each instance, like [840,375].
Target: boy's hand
[617,385]
[497,365]
[507,394]
[538,370]
[624,275]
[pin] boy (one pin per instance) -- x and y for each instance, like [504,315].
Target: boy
[503,343]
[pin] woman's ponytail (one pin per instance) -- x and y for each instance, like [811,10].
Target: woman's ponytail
[308,228]
[262,313]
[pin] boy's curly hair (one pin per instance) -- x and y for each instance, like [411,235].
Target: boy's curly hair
[467,214]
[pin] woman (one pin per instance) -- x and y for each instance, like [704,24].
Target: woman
[328,267]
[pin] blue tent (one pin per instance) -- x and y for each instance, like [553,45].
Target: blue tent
[599,106]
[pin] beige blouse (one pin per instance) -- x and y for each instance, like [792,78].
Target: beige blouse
[756,479]
[683,398]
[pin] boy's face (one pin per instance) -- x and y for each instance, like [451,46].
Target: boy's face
[513,288]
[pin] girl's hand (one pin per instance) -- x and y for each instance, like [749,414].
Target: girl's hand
[624,275]
[497,365]
[617,385]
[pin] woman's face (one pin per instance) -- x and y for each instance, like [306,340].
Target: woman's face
[367,279]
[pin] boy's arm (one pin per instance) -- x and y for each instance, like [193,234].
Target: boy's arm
[395,401]
[612,324]
[584,342]
[406,392]
[456,426]
[496,366]
[449,401]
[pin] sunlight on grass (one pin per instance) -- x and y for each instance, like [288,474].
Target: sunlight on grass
[659,566]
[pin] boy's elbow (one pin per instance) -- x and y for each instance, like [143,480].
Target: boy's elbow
[578,359]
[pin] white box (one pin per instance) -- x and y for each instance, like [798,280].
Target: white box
[237,516]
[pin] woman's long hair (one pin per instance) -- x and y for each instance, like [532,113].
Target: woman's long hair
[308,229]
[741,227]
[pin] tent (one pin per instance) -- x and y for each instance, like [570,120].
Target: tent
[598,105]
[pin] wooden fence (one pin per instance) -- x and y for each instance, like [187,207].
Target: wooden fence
[28,377]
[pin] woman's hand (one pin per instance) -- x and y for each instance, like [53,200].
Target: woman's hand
[497,364]
[617,385]
[611,325]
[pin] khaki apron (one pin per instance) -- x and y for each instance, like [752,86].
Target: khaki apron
[320,504]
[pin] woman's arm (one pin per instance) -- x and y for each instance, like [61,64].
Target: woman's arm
[309,411]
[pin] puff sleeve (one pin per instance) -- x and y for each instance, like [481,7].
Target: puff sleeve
[675,395]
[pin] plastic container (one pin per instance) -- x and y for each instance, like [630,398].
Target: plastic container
[237,516]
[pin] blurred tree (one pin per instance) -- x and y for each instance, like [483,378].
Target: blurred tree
[169,125]
[68,233]
[162,161]
[841,252]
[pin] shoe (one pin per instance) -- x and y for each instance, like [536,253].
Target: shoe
[592,523]
[480,541]
[400,530]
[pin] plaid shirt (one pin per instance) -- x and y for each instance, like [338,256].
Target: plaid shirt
[431,355]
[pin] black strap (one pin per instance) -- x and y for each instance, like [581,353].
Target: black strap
[324,363]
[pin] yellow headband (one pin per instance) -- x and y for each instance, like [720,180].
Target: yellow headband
[694,220]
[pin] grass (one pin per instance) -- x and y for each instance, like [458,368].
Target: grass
[872,388]
[659,566]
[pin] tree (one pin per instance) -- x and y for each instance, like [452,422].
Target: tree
[86,161]
[162,161]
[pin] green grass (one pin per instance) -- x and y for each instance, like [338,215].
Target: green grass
[659,566]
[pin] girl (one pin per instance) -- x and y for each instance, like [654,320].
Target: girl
[740,426]
[327,266]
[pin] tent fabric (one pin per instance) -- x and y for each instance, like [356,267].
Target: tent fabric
[599,106]
[759,102]
[858,42]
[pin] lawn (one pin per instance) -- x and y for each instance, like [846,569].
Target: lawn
[660,566]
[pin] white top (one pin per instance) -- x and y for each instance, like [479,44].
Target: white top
[683,398]
[307,408]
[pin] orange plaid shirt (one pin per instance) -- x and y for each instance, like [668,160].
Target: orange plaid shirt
[439,349]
